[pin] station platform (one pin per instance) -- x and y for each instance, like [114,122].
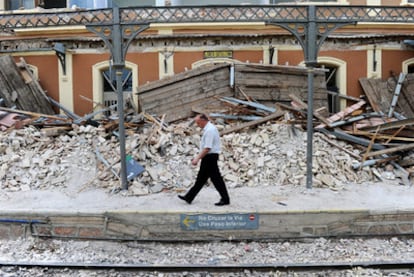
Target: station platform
[271,212]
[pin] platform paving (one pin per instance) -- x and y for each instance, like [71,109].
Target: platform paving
[254,213]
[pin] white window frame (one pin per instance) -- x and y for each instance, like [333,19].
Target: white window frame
[97,81]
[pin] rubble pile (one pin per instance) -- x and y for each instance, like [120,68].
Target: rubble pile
[30,160]
[272,154]
[263,145]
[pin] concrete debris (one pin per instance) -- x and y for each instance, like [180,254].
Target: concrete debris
[270,155]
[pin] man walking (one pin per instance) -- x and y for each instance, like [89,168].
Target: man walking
[209,154]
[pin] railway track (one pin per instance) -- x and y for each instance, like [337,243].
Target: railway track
[387,256]
[393,266]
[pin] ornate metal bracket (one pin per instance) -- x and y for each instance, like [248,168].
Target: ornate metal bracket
[312,32]
[61,54]
[109,35]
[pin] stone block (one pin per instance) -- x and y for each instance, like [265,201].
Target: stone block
[383,229]
[119,229]
[91,232]
[43,230]
[406,228]
[77,220]
[5,231]
[64,231]
[18,231]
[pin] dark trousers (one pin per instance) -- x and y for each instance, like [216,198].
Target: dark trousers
[209,169]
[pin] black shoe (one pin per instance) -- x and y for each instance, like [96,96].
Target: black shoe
[184,198]
[222,203]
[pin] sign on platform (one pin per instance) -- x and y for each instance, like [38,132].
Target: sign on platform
[231,221]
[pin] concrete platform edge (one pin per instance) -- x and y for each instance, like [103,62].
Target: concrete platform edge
[172,225]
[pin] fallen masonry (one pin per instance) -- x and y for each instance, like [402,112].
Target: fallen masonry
[273,154]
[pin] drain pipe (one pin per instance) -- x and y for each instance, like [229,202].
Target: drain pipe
[21,221]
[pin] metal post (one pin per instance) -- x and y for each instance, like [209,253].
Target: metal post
[118,37]
[310,40]
[310,60]
[309,127]
[118,66]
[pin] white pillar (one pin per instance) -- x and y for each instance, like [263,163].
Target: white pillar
[66,84]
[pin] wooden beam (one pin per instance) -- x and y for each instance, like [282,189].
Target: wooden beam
[303,104]
[364,158]
[372,89]
[249,103]
[352,154]
[379,136]
[391,150]
[253,123]
[32,113]
[342,114]
[391,125]
[248,98]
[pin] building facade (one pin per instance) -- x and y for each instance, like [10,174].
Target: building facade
[81,79]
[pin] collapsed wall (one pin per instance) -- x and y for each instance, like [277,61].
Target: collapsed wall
[178,96]
[20,89]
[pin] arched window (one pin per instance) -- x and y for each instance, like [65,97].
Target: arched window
[110,98]
[408,66]
[336,81]
[332,87]
[104,84]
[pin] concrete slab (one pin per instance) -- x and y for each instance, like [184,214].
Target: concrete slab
[370,196]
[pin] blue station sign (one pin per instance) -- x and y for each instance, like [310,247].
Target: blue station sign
[230,221]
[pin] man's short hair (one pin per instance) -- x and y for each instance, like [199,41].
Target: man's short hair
[203,116]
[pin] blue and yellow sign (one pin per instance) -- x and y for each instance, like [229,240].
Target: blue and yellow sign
[231,221]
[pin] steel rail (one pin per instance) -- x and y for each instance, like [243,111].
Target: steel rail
[190,14]
[298,267]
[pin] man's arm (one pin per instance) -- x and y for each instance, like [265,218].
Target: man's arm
[200,155]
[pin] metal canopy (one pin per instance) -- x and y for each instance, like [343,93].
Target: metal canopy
[183,14]
[310,24]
